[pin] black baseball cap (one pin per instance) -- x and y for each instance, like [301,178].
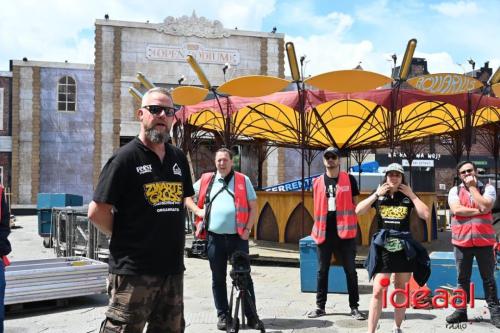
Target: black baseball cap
[331,151]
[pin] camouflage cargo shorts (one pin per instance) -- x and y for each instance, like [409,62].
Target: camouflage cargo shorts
[139,299]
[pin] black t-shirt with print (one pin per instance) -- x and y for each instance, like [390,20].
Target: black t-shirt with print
[393,212]
[330,184]
[148,229]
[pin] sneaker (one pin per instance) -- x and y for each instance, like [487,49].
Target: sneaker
[316,313]
[253,323]
[356,314]
[222,322]
[495,316]
[397,330]
[457,317]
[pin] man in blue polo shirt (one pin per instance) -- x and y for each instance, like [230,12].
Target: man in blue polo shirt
[230,217]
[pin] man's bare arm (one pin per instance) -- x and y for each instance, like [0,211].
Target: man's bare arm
[253,213]
[485,203]
[459,210]
[101,215]
[191,205]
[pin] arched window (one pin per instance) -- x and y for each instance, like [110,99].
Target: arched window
[66,94]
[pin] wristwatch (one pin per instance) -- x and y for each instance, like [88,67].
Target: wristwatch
[248,229]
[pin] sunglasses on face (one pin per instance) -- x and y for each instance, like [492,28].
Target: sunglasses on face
[463,172]
[158,109]
[331,157]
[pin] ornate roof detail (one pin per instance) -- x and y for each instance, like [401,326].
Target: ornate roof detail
[192,26]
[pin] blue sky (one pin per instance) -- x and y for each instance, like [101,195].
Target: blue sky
[336,34]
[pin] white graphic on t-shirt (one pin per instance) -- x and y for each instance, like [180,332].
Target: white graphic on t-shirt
[144,169]
[176,170]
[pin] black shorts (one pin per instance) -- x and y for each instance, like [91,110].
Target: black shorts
[394,262]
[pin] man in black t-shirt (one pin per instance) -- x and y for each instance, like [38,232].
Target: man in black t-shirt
[139,201]
[338,194]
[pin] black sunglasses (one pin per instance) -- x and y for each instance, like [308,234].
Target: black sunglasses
[463,172]
[328,157]
[158,109]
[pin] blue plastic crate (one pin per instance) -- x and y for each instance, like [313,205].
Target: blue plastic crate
[50,200]
[45,203]
[44,222]
[309,270]
[444,273]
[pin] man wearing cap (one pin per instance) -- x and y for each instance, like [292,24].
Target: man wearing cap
[473,235]
[335,229]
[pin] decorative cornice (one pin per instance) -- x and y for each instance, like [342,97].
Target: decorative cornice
[192,26]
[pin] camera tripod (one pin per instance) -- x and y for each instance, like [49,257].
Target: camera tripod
[243,295]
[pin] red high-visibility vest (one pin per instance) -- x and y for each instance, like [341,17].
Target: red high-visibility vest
[347,222]
[469,231]
[240,202]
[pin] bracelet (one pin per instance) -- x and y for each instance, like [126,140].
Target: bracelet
[376,195]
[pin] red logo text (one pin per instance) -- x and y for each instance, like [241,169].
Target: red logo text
[420,298]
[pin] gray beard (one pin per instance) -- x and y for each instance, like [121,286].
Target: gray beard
[156,136]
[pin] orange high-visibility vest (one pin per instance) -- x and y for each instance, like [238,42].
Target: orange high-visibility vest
[347,222]
[469,231]
[240,202]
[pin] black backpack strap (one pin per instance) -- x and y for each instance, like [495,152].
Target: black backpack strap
[208,201]
[209,189]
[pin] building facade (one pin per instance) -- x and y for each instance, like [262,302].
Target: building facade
[5,129]
[52,129]
[122,49]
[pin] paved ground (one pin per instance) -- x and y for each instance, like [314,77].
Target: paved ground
[281,305]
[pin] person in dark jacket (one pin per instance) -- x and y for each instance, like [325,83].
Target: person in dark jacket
[413,250]
[394,202]
[4,248]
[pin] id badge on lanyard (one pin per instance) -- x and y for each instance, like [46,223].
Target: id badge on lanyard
[331,199]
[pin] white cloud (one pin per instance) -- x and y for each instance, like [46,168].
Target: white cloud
[456,9]
[326,53]
[301,15]
[247,15]
[442,62]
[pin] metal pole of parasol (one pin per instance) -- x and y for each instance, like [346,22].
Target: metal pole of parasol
[404,71]
[294,70]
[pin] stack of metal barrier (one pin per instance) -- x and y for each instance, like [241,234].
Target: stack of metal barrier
[46,279]
[75,235]
[98,244]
